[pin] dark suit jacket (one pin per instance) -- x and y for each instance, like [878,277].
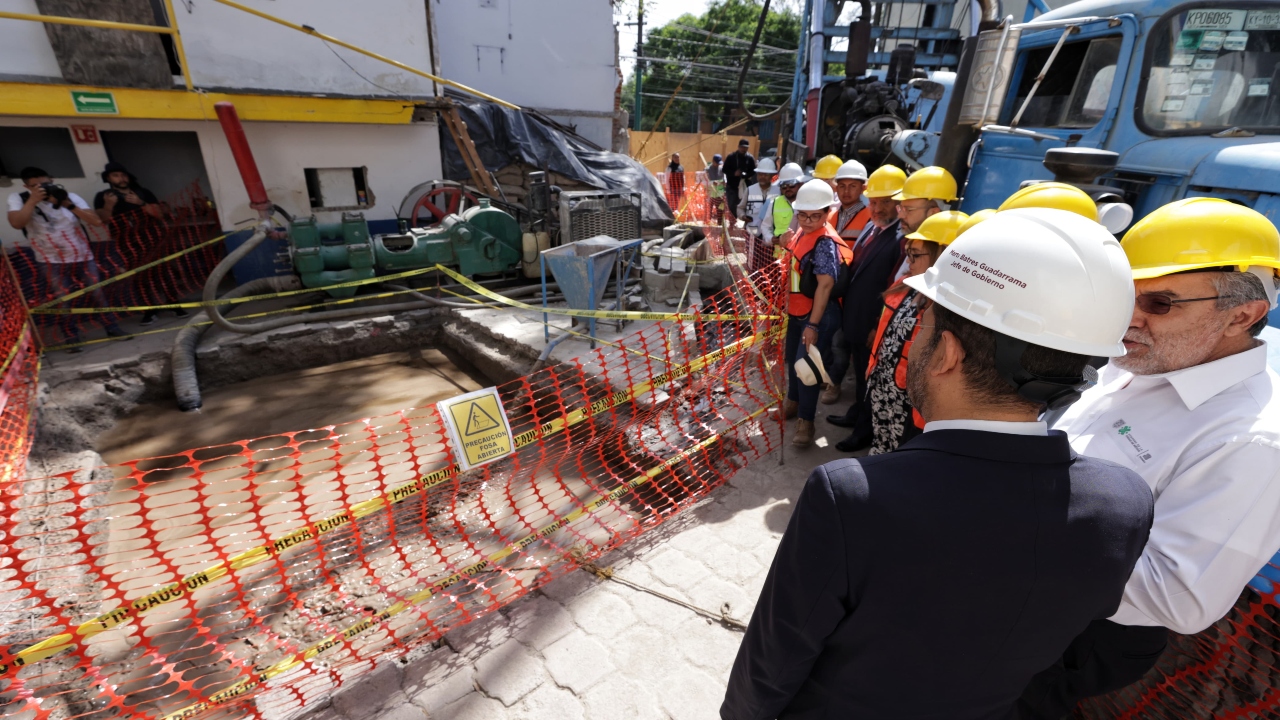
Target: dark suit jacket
[934,581]
[875,265]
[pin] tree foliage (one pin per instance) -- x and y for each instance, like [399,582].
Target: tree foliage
[694,62]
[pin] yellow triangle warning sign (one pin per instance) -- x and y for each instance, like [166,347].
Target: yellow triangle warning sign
[479,420]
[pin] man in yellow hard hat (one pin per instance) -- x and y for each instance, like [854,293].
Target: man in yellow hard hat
[1194,410]
[927,191]
[826,169]
[877,253]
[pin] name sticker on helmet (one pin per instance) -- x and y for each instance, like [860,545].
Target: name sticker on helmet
[983,272]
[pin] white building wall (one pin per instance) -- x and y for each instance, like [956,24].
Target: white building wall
[554,55]
[398,157]
[227,48]
[25,52]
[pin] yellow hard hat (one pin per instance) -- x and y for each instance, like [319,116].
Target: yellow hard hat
[974,219]
[885,181]
[1056,195]
[827,167]
[929,183]
[1198,233]
[941,227]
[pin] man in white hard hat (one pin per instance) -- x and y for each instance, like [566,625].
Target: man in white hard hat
[1194,409]
[932,581]
[751,208]
[778,213]
[852,215]
[818,261]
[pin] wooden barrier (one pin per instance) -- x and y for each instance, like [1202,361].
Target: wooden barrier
[695,149]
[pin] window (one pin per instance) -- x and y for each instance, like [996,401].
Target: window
[339,188]
[1075,89]
[1212,68]
[48,148]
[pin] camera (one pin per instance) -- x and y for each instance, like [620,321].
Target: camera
[57,193]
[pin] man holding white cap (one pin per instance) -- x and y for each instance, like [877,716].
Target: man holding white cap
[1193,409]
[975,552]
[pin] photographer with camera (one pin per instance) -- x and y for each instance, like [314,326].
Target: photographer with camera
[124,196]
[53,221]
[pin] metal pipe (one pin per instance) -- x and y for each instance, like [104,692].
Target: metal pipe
[1048,63]
[356,48]
[105,24]
[177,45]
[234,131]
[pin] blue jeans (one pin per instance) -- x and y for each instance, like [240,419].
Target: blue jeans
[64,278]
[807,395]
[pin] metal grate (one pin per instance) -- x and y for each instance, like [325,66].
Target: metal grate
[587,213]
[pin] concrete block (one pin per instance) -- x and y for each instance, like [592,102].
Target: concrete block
[509,672]
[647,654]
[403,711]
[550,702]
[675,568]
[692,695]
[538,621]
[370,692]
[578,661]
[479,637]
[602,612]
[569,586]
[95,372]
[474,707]
[433,685]
[620,698]
[708,644]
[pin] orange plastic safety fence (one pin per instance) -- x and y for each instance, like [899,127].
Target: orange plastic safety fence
[255,578]
[19,361]
[52,266]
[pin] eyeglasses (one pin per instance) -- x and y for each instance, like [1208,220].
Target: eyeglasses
[812,216]
[1156,304]
[916,256]
[906,209]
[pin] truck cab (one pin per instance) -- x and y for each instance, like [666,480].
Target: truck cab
[1186,93]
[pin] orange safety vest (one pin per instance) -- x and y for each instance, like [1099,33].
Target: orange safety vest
[853,229]
[799,247]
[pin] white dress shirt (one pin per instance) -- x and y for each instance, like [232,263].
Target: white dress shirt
[999,426]
[1207,441]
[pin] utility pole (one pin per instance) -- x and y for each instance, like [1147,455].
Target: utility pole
[639,23]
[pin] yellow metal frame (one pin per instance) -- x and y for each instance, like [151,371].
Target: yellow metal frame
[171,31]
[39,100]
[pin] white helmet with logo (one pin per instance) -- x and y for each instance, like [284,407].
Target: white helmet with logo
[814,195]
[790,173]
[851,170]
[1043,276]
[767,165]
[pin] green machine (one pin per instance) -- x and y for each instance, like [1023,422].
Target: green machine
[480,241]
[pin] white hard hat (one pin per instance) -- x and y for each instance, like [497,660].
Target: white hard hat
[789,173]
[851,170]
[767,166]
[809,368]
[1046,277]
[814,195]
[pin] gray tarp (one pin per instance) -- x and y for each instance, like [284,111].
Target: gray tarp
[504,136]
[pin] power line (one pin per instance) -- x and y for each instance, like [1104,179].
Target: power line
[689,63]
[730,38]
[683,41]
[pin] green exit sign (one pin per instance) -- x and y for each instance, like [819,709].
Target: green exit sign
[94,103]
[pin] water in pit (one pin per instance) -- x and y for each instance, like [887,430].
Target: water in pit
[300,400]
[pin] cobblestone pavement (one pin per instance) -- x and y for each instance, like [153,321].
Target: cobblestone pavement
[586,648]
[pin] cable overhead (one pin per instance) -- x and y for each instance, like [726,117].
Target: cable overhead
[746,66]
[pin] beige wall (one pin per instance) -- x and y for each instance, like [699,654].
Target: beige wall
[657,153]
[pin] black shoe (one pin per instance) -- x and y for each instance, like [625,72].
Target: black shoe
[845,421]
[116,332]
[148,317]
[181,312]
[854,443]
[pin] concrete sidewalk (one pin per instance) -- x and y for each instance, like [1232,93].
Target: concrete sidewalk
[583,647]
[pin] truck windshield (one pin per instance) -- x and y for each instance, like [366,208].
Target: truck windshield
[1076,87]
[1213,68]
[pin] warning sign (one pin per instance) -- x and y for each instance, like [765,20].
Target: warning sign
[478,427]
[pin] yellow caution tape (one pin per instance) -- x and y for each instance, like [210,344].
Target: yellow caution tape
[600,314]
[13,351]
[237,300]
[434,588]
[128,273]
[174,591]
